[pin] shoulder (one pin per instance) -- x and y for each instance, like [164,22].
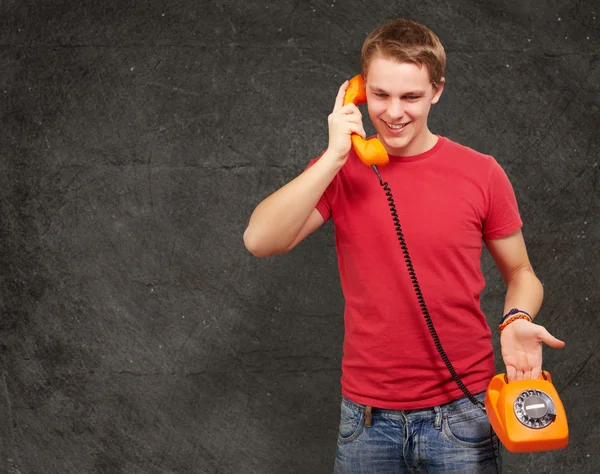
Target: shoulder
[468,158]
[466,152]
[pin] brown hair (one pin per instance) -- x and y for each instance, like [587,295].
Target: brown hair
[407,42]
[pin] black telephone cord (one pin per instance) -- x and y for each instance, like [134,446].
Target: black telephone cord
[421,300]
[424,310]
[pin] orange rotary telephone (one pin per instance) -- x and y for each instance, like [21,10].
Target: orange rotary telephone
[527,415]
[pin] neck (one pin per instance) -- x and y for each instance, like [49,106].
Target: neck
[420,144]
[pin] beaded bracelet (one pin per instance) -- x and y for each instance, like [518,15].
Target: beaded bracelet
[514,311]
[514,318]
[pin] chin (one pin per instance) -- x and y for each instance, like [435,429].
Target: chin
[394,145]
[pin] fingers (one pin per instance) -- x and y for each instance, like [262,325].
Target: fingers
[524,368]
[353,118]
[347,119]
[532,373]
[525,374]
[511,373]
[344,121]
[350,109]
[519,375]
[358,129]
[339,100]
[549,339]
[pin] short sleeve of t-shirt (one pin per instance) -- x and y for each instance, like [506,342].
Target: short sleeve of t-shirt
[502,217]
[323,206]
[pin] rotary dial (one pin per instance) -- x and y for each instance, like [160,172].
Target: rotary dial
[534,409]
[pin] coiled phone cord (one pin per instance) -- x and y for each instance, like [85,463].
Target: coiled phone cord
[415,282]
[424,310]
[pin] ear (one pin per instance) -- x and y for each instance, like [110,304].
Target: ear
[438,92]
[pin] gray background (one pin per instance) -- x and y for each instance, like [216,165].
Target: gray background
[137,333]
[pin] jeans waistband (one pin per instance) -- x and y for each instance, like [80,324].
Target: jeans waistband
[455,404]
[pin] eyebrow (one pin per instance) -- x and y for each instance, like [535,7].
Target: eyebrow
[415,92]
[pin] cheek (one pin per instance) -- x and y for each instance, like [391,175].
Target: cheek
[376,109]
[417,111]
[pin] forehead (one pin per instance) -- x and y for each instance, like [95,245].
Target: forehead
[394,76]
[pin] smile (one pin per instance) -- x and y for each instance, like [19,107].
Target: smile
[396,126]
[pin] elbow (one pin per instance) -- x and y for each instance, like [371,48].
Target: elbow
[256,244]
[525,275]
[252,244]
[516,275]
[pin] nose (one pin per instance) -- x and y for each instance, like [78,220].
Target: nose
[395,109]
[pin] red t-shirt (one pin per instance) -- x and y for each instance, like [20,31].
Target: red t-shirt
[448,199]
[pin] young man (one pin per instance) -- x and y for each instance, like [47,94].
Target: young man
[401,409]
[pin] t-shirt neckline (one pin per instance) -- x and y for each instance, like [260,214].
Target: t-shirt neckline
[420,156]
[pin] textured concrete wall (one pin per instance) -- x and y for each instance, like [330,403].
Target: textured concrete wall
[137,334]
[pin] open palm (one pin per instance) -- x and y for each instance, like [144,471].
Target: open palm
[521,343]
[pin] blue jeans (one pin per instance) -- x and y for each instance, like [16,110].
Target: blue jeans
[451,438]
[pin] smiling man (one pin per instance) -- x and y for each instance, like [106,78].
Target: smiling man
[400,96]
[401,409]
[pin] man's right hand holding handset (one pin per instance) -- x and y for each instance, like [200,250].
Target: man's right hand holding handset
[343,121]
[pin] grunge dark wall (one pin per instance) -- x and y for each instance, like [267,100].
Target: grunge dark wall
[137,334]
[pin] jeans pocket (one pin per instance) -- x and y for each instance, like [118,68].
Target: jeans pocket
[468,428]
[351,424]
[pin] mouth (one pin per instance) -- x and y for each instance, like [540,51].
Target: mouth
[395,126]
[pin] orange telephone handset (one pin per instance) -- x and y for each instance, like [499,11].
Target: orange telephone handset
[527,415]
[371,151]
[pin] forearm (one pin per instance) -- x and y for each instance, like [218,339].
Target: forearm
[278,219]
[525,292]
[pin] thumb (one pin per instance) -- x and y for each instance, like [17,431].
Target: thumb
[549,339]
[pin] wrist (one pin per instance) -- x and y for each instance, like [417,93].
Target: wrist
[514,312]
[334,158]
[512,319]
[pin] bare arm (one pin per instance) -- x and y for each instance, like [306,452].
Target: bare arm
[521,340]
[524,290]
[288,215]
[277,222]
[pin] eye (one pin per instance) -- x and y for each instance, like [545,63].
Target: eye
[378,94]
[412,97]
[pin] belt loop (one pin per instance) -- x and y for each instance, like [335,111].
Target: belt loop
[438,417]
[368,417]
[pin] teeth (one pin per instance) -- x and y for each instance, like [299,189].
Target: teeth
[397,127]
